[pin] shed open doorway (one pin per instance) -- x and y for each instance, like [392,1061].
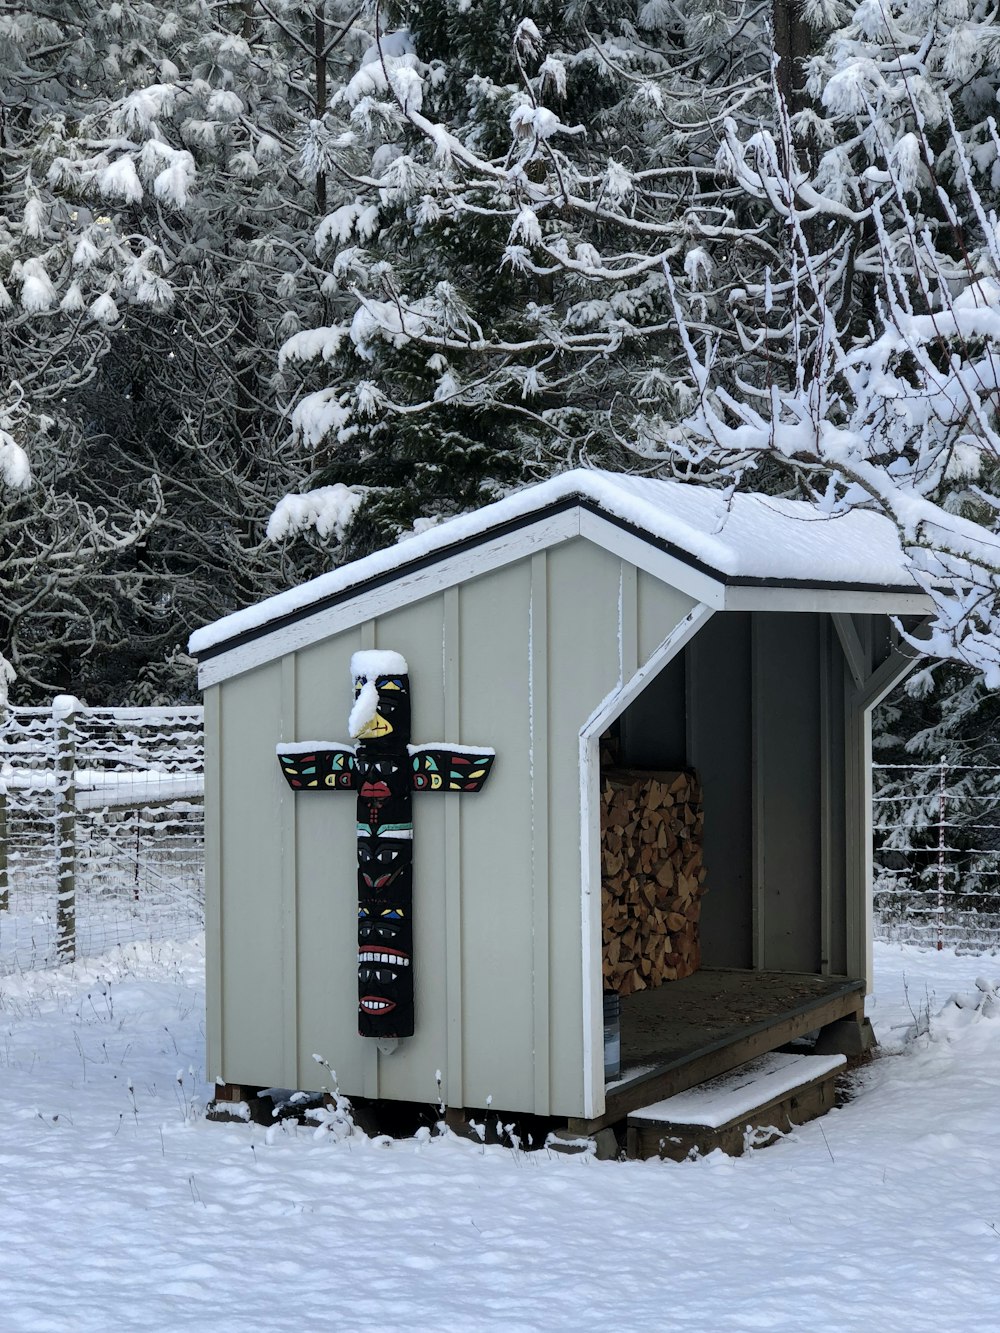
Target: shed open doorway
[754,708]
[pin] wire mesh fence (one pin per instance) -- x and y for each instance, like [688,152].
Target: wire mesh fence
[102,837]
[101,829]
[936,833]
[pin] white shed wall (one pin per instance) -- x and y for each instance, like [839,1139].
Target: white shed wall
[517,659]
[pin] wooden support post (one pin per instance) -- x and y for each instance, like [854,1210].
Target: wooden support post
[238,1103]
[64,708]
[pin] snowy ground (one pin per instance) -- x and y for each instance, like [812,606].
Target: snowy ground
[122,1208]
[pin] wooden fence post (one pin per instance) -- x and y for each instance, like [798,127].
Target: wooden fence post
[64,708]
[942,808]
[4,877]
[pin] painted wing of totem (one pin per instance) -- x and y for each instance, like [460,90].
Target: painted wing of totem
[448,769]
[321,766]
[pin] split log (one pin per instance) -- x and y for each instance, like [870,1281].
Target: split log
[652,877]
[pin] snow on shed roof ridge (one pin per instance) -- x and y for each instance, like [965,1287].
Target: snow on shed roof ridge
[749,537]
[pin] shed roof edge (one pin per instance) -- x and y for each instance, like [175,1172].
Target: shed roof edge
[455,550]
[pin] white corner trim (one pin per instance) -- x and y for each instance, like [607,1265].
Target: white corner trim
[896,667]
[743,597]
[615,703]
[590,848]
[851,647]
[645,555]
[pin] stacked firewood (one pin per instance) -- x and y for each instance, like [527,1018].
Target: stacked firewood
[652,877]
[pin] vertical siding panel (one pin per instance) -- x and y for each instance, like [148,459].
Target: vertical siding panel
[326,879]
[857,785]
[496,863]
[454,1081]
[408,1072]
[826,791]
[758,745]
[583,590]
[251,956]
[788,785]
[214,986]
[660,609]
[289,891]
[628,622]
[840,677]
[540,813]
[720,749]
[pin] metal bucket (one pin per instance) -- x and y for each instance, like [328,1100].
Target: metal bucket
[612,1036]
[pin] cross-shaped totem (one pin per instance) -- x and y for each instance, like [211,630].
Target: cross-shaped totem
[384,770]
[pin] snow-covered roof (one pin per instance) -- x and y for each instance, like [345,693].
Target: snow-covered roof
[743,540]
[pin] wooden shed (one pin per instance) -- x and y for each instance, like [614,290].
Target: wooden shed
[737,646]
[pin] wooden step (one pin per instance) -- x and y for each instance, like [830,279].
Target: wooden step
[772,1092]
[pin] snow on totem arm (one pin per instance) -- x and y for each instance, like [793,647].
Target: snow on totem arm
[444,746]
[321,766]
[448,768]
[310,747]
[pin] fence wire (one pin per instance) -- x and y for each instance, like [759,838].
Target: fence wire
[101,829]
[936,836]
[102,837]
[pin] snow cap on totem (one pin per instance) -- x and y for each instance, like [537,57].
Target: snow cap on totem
[379,717]
[372,662]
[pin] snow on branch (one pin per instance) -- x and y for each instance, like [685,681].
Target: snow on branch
[15,471]
[328,511]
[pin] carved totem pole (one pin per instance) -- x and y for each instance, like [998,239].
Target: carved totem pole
[384,770]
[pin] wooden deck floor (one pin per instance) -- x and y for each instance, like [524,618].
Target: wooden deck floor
[686,1031]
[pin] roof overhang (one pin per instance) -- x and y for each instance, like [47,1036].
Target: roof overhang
[349,601]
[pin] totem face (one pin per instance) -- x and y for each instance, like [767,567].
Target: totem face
[382,862]
[384,791]
[385,723]
[384,983]
[382,925]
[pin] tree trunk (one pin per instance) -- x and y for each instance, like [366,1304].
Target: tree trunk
[320,103]
[792,45]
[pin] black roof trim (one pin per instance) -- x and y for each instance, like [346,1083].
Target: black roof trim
[390,576]
[738,580]
[515,525]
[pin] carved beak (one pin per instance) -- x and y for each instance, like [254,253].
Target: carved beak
[376,727]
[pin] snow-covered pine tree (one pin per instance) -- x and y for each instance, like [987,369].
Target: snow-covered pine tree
[872,355]
[508,189]
[59,260]
[874,343]
[162,258]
